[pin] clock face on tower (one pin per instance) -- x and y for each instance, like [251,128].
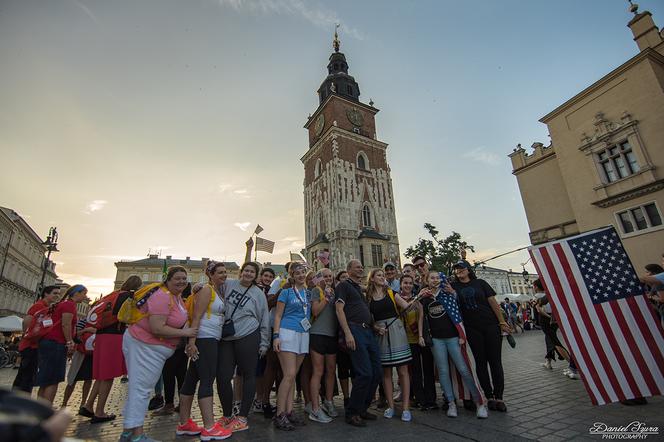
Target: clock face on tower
[320,122]
[355,116]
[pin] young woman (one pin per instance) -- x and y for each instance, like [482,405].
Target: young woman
[245,338]
[414,322]
[291,342]
[146,346]
[58,343]
[323,348]
[447,344]
[203,351]
[385,307]
[483,321]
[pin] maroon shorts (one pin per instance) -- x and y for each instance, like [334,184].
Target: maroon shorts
[108,360]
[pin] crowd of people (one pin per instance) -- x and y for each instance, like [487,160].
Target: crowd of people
[296,333]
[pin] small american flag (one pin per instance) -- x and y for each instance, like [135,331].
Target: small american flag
[264,245]
[612,332]
[451,306]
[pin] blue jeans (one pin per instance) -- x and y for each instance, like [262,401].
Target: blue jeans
[368,372]
[442,348]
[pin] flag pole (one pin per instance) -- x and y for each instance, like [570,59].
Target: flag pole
[255,246]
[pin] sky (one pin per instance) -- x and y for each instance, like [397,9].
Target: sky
[176,126]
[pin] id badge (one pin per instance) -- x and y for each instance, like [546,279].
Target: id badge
[47,322]
[306,325]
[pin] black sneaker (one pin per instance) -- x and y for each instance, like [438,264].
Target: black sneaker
[156,402]
[269,411]
[281,422]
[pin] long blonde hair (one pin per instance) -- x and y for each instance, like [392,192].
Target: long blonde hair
[371,286]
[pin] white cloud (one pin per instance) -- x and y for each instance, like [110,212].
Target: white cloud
[240,191]
[236,192]
[242,226]
[482,155]
[95,206]
[311,12]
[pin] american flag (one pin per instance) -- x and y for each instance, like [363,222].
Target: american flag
[264,245]
[451,306]
[613,334]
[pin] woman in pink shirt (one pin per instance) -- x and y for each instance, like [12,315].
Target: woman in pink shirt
[146,346]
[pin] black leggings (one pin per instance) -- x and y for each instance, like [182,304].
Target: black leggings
[204,369]
[486,343]
[422,382]
[175,367]
[242,353]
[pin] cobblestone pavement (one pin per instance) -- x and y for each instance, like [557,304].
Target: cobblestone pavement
[542,405]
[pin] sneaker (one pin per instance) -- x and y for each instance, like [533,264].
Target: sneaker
[406,416]
[281,422]
[566,371]
[125,436]
[573,375]
[500,406]
[189,428]
[237,424]
[269,410]
[166,410]
[319,416]
[452,410]
[257,406]
[225,421]
[156,403]
[328,407]
[216,433]
[547,364]
[389,413]
[296,420]
[143,438]
[236,408]
[308,409]
[482,412]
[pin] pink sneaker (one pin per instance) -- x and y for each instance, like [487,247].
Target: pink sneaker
[188,429]
[216,433]
[237,425]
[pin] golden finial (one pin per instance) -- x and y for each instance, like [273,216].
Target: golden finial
[336,41]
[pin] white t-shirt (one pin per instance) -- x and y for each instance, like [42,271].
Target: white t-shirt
[211,327]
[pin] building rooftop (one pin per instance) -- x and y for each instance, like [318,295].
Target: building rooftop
[155,260]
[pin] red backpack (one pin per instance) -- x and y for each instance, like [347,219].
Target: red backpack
[101,313]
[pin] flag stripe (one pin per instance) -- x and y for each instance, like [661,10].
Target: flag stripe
[656,333]
[599,338]
[640,382]
[646,342]
[575,340]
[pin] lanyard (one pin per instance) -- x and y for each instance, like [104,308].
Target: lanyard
[302,301]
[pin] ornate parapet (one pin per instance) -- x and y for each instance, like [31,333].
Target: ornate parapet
[521,159]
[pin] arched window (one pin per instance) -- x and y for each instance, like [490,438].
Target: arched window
[362,161]
[366,216]
[317,168]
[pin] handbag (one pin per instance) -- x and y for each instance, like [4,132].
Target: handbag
[228,329]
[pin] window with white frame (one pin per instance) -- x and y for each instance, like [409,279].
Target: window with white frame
[640,218]
[617,162]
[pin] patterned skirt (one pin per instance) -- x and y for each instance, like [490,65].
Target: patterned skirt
[394,347]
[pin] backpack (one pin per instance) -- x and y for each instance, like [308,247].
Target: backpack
[101,314]
[86,343]
[130,311]
[191,301]
[41,324]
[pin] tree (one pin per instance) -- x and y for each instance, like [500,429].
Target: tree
[442,254]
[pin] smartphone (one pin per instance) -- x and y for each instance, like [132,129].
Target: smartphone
[443,280]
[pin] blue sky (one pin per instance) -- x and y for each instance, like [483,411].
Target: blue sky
[173,125]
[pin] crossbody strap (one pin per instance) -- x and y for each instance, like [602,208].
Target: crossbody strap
[240,300]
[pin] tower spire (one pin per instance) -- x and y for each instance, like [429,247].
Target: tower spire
[336,43]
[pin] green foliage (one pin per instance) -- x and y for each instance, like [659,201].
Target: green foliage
[441,254]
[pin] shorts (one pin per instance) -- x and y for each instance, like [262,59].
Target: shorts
[52,364]
[294,342]
[324,345]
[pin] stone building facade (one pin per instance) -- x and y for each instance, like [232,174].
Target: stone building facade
[151,269]
[605,163]
[22,256]
[507,281]
[348,198]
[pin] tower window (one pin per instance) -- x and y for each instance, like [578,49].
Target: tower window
[362,161]
[366,216]
[317,169]
[376,255]
[349,89]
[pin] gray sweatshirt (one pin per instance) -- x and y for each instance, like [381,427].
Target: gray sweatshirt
[251,313]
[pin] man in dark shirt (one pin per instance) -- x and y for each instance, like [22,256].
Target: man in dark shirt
[355,321]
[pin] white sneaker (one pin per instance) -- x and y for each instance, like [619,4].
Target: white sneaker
[328,407]
[319,416]
[547,364]
[566,371]
[389,413]
[257,406]
[452,410]
[574,376]
[482,412]
[308,409]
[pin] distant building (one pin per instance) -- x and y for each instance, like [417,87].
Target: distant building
[21,264]
[506,281]
[151,269]
[605,163]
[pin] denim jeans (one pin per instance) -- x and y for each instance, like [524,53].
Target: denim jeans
[442,348]
[368,372]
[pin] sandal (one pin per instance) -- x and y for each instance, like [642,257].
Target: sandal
[85,412]
[100,419]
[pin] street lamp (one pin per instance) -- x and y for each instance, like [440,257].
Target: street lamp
[51,244]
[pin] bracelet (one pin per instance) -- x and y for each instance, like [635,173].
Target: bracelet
[275,335]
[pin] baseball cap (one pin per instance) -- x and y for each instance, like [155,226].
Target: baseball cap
[389,264]
[461,265]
